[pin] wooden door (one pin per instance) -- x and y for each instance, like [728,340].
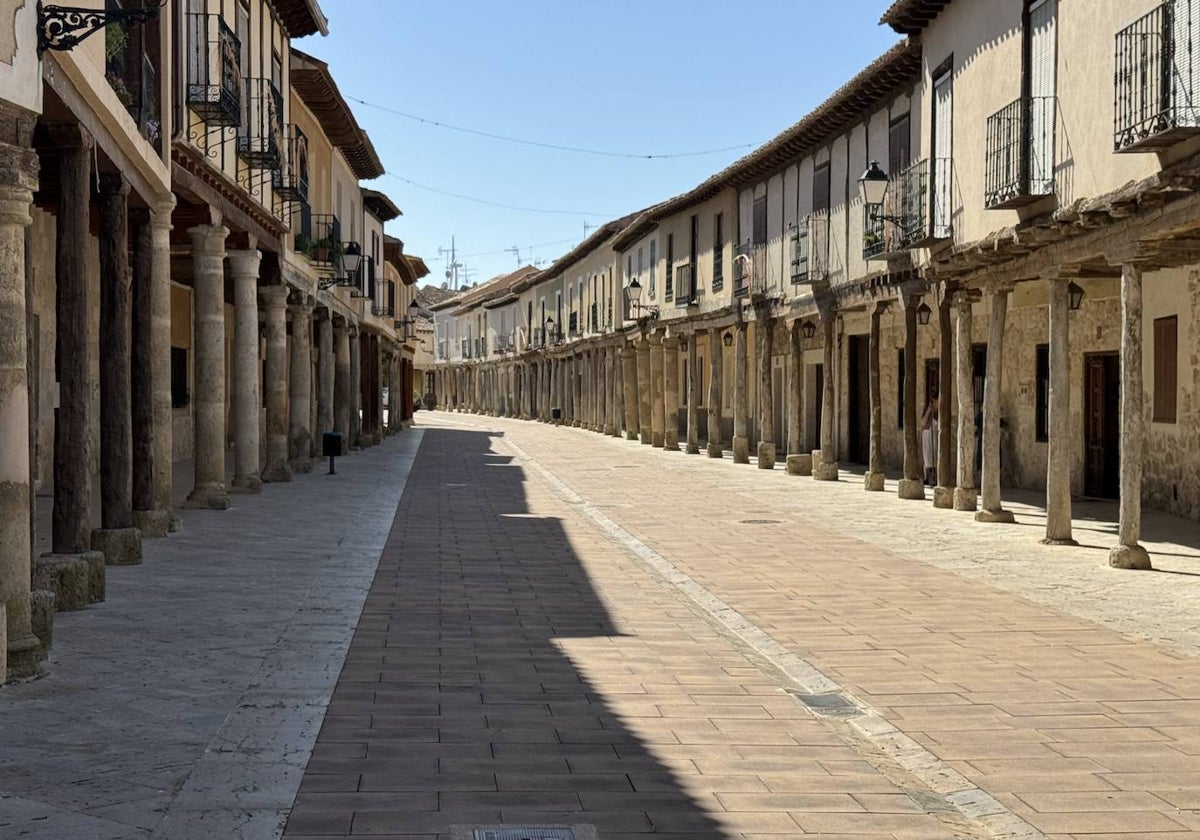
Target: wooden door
[1102,399]
[860,399]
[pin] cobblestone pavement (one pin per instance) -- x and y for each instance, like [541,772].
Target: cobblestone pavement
[185,706]
[568,629]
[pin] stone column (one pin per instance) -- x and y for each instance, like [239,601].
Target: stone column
[1058,454]
[993,510]
[145,517]
[617,401]
[671,394]
[300,391]
[766,396]
[693,395]
[326,377]
[965,497]
[943,493]
[826,468]
[629,390]
[208,301]
[645,394]
[716,395]
[658,403]
[243,267]
[799,462]
[1127,553]
[741,400]
[873,481]
[356,389]
[160,339]
[912,486]
[276,384]
[19,647]
[341,382]
[116,538]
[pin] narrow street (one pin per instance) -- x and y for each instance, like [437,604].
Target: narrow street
[571,630]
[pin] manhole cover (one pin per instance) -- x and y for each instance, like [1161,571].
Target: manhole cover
[761,522]
[524,834]
[833,705]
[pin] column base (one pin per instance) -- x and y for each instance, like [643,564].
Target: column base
[41,619]
[715,450]
[766,456]
[616,433]
[912,489]
[966,499]
[631,436]
[822,471]
[1056,541]
[943,498]
[1132,557]
[208,498]
[647,438]
[670,443]
[277,473]
[302,467]
[76,580]
[999,515]
[120,546]
[799,464]
[22,655]
[154,524]
[692,448]
[176,522]
[656,439]
[873,482]
[252,484]
[741,450]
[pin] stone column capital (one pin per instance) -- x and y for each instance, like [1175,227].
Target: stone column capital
[160,211]
[208,240]
[114,184]
[244,264]
[274,296]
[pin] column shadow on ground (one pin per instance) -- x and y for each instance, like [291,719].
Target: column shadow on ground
[455,707]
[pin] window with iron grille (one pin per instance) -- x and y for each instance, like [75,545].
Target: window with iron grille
[718,253]
[669,285]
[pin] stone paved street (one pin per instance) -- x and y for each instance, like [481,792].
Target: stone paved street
[567,629]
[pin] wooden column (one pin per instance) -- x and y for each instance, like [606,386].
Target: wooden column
[799,462]
[965,495]
[1128,554]
[693,395]
[912,486]
[874,479]
[716,394]
[766,395]
[671,394]
[1059,445]
[741,398]
[993,510]
[943,493]
[826,468]
[645,395]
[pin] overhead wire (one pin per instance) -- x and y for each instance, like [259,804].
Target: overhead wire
[412,183]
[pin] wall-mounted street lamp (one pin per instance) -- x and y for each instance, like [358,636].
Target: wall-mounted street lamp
[633,297]
[924,313]
[872,188]
[406,323]
[350,263]
[808,329]
[62,28]
[728,338]
[1075,295]
[552,334]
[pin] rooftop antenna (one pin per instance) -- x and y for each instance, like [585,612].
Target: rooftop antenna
[453,266]
[587,228]
[516,252]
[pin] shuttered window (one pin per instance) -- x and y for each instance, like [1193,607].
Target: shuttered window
[1043,71]
[1166,368]
[899,144]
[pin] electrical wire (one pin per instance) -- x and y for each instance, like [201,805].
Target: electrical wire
[413,183]
[533,247]
[555,146]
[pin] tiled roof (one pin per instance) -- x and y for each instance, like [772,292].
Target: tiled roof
[380,206]
[314,83]
[301,17]
[909,17]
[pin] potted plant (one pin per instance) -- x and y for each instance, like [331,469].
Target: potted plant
[322,250]
[304,245]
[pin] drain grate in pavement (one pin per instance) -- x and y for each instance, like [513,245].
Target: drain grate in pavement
[762,522]
[832,705]
[524,834]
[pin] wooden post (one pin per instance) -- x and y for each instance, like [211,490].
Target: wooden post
[943,493]
[874,479]
[766,395]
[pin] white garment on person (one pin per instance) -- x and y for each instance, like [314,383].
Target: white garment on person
[929,445]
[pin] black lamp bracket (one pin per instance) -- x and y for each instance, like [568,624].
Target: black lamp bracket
[62,28]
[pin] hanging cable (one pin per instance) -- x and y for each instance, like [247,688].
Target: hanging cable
[412,183]
[541,145]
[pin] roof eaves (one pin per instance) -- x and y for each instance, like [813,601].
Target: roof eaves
[315,85]
[910,17]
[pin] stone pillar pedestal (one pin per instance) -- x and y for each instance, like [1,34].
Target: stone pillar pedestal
[658,407]
[300,436]
[766,395]
[993,510]
[341,382]
[243,267]
[965,496]
[671,394]
[19,647]
[208,302]
[741,399]
[1128,554]
[274,300]
[1058,454]
[825,463]
[716,393]
[800,464]
[645,399]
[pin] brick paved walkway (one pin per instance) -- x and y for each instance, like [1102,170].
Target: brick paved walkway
[514,666]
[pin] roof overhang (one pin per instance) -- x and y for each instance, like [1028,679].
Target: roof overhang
[910,17]
[380,206]
[301,17]
[313,82]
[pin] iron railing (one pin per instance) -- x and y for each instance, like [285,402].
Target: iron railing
[133,75]
[916,211]
[801,252]
[685,285]
[876,236]
[290,179]
[466,348]
[573,324]
[1157,78]
[260,136]
[320,238]
[214,87]
[749,270]
[1019,166]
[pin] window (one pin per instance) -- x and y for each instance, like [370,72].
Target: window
[760,220]
[819,248]
[628,266]
[718,254]
[653,264]
[900,376]
[1166,368]
[899,144]
[669,283]
[1042,397]
[179,378]
[693,255]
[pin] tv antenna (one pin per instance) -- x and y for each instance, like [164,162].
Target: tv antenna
[453,266]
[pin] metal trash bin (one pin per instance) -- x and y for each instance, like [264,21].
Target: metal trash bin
[556,414]
[331,444]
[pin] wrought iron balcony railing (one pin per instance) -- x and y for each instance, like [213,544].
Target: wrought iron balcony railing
[481,347]
[320,238]
[260,138]
[290,179]
[573,324]
[810,248]
[750,270]
[685,285]
[537,338]
[214,77]
[1157,80]
[1020,153]
[132,72]
[917,211]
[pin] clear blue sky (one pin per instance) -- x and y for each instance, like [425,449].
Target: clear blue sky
[645,77]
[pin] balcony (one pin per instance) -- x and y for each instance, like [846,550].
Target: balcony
[502,344]
[320,239]
[132,73]
[916,211]
[214,79]
[685,285]
[1019,167]
[573,325]
[260,136]
[537,338]
[750,270]
[290,179]
[810,249]
[1156,85]
[466,348]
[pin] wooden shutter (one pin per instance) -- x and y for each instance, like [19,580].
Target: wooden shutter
[1166,368]
[1043,71]
[899,145]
